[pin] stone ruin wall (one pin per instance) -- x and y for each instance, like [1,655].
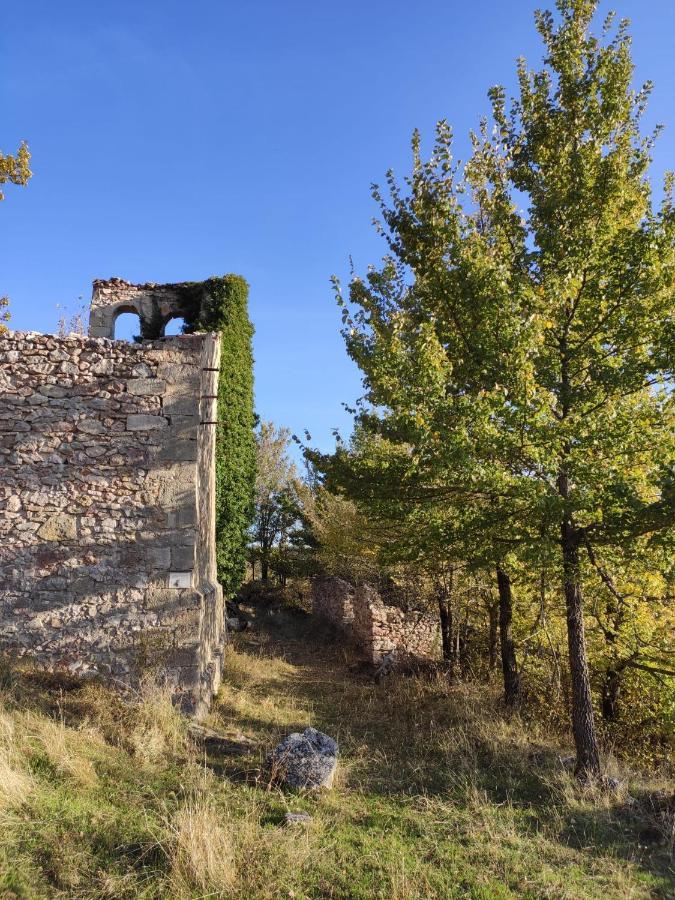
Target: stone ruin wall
[375,627]
[107,483]
[333,600]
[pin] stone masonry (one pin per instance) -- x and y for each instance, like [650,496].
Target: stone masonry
[107,502]
[375,627]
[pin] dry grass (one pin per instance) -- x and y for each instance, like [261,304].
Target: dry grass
[202,853]
[439,795]
[15,781]
[68,750]
[158,731]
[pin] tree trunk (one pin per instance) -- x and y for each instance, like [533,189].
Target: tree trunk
[583,719]
[610,695]
[508,649]
[445,614]
[264,569]
[493,613]
[464,667]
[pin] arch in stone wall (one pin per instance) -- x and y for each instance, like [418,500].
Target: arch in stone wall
[155,304]
[177,317]
[130,312]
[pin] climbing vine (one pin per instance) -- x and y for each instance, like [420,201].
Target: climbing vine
[220,304]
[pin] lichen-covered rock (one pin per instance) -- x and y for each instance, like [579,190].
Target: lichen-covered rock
[306,760]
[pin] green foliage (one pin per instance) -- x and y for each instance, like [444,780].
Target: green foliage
[277,499]
[221,305]
[15,170]
[519,406]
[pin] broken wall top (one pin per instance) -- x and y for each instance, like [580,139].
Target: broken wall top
[155,304]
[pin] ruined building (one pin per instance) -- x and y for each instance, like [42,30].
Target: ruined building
[107,468]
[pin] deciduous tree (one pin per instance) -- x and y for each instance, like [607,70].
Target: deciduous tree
[523,361]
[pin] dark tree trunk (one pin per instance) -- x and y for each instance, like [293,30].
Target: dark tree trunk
[464,666]
[264,567]
[610,695]
[493,613]
[445,614]
[583,719]
[508,649]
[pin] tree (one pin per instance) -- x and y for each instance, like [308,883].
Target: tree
[276,494]
[14,170]
[523,363]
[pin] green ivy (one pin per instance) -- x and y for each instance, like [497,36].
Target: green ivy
[220,304]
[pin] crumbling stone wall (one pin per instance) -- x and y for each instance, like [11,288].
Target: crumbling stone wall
[375,627]
[333,600]
[155,305]
[107,555]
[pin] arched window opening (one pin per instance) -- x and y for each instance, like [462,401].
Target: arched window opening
[127,326]
[174,326]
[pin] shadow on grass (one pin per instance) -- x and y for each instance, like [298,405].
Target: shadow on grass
[411,738]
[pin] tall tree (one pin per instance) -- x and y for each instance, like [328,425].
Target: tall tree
[524,362]
[276,493]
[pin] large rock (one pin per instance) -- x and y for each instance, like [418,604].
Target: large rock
[306,760]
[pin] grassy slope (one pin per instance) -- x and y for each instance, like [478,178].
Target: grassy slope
[437,795]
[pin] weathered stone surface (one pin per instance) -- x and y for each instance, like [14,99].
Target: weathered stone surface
[142,422]
[146,387]
[58,528]
[89,516]
[306,760]
[376,627]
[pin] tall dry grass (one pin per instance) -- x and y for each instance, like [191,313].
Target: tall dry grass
[201,851]
[16,783]
[157,730]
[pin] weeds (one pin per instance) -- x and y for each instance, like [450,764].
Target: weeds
[438,796]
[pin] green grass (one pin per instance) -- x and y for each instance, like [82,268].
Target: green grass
[438,795]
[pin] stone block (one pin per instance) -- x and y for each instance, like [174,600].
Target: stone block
[91,426]
[180,580]
[182,557]
[177,449]
[58,528]
[159,557]
[143,422]
[179,405]
[146,387]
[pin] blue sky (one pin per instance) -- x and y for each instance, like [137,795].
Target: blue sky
[172,141]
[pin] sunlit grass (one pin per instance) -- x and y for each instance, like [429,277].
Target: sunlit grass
[438,794]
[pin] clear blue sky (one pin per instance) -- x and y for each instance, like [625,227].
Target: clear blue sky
[172,141]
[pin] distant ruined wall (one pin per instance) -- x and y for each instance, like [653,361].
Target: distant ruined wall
[333,600]
[376,627]
[107,555]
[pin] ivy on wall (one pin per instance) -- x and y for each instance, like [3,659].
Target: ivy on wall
[220,304]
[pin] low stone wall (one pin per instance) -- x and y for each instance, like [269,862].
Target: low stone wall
[332,600]
[107,534]
[375,627]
